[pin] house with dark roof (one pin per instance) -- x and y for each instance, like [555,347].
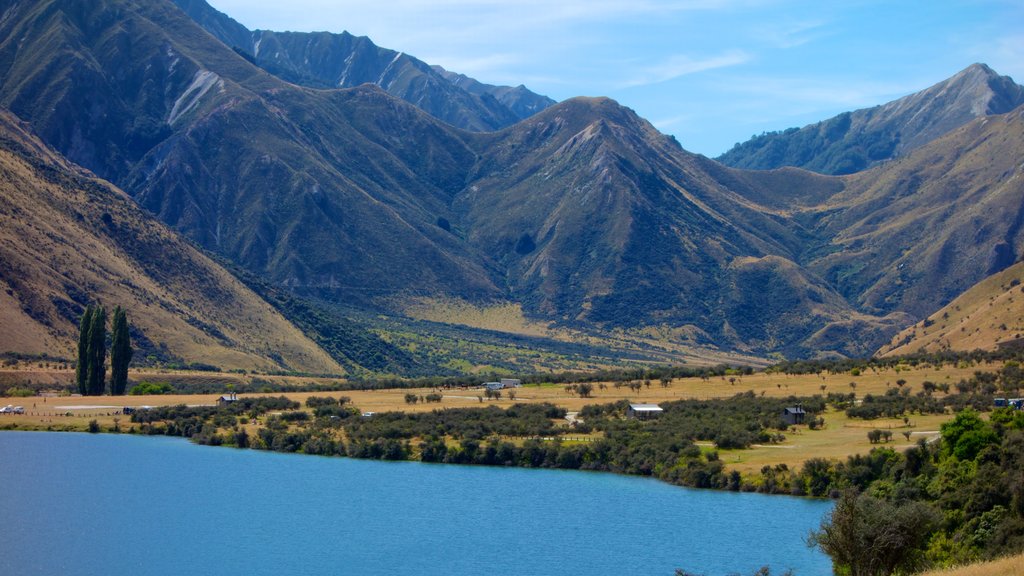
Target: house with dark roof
[793,415]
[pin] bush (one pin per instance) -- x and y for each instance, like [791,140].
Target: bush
[151,389]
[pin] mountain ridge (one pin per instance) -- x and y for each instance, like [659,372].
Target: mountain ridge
[853,141]
[329,60]
[71,240]
[583,213]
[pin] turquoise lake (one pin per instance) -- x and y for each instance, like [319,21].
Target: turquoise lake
[80,504]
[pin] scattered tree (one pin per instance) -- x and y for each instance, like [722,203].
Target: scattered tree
[82,368]
[96,353]
[120,353]
[866,536]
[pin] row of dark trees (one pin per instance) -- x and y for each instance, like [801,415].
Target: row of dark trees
[91,370]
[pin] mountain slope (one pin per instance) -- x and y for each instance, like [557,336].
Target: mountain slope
[856,140]
[336,193]
[989,314]
[915,233]
[594,216]
[583,213]
[68,239]
[326,60]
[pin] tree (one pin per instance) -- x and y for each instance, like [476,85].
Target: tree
[97,352]
[82,368]
[866,536]
[120,353]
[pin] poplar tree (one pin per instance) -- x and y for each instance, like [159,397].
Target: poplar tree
[97,352]
[82,368]
[120,352]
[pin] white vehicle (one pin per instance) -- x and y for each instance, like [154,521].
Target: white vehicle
[7,409]
[19,410]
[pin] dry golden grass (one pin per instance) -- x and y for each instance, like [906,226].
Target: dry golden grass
[54,240]
[1010,566]
[841,437]
[989,313]
[508,317]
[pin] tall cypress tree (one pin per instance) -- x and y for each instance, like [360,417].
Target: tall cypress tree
[120,352]
[82,368]
[97,352]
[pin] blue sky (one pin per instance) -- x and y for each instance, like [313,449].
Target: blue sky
[709,72]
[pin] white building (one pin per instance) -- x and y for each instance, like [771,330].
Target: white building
[643,411]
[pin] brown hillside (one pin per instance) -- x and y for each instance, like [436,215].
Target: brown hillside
[989,314]
[68,239]
[915,233]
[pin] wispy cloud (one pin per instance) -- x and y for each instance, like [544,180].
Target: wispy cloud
[794,34]
[1004,54]
[681,65]
[666,123]
[826,92]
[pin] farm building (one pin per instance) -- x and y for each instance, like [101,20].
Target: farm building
[643,411]
[227,399]
[505,383]
[793,415]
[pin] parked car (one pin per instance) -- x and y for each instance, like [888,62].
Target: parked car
[7,409]
[19,410]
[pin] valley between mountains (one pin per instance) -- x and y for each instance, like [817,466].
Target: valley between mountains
[314,203]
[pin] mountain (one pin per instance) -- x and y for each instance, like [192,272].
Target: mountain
[326,60]
[519,99]
[594,216]
[914,233]
[336,193]
[68,239]
[988,315]
[582,213]
[853,141]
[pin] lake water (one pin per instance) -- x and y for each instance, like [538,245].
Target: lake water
[79,504]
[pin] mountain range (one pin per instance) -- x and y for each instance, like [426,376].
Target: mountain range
[326,60]
[853,141]
[405,188]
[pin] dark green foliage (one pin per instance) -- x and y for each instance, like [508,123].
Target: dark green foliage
[971,481]
[82,367]
[316,402]
[120,353]
[967,434]
[151,388]
[868,536]
[96,353]
[896,403]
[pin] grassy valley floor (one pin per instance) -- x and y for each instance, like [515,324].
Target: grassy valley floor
[840,437]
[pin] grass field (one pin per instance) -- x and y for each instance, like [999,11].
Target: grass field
[1010,566]
[840,438]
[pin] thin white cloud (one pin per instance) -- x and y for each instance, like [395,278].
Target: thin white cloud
[1005,55]
[819,93]
[794,34]
[666,123]
[681,65]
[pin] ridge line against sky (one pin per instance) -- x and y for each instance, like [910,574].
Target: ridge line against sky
[709,72]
